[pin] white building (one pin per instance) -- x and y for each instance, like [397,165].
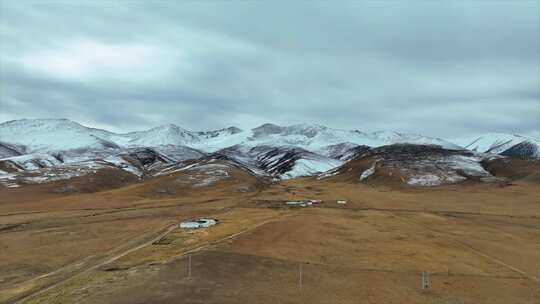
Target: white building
[198,223]
[299,204]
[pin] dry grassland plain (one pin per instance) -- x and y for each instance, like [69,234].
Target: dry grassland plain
[480,244]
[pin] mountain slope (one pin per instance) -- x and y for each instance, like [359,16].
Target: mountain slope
[525,150]
[504,144]
[291,162]
[345,151]
[413,165]
[162,135]
[284,162]
[9,150]
[39,135]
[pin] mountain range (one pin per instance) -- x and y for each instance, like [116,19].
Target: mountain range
[41,150]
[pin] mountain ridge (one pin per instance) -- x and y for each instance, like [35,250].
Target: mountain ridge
[51,149]
[64,134]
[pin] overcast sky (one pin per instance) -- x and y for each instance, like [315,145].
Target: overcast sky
[447,69]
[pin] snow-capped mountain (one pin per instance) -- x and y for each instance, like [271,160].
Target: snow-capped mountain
[39,135]
[313,137]
[163,135]
[40,145]
[505,144]
[219,133]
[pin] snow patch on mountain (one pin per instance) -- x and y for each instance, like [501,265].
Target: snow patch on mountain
[368,172]
[208,174]
[203,173]
[436,170]
[308,167]
[426,180]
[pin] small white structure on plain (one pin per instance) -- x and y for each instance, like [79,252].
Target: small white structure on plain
[299,203]
[198,223]
[342,202]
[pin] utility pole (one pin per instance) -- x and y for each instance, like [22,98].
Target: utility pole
[189,266]
[300,276]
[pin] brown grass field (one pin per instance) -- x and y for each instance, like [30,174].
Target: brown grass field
[480,243]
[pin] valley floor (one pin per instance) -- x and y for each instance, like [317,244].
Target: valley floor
[480,244]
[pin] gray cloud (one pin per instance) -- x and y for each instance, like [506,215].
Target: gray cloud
[442,69]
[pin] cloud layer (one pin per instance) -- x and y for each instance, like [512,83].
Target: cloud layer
[442,69]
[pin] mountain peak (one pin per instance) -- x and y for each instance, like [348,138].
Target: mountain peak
[306,129]
[267,129]
[52,134]
[308,126]
[267,125]
[169,126]
[234,130]
[168,134]
[40,122]
[386,133]
[216,133]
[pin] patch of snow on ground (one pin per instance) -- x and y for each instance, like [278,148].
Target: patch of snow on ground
[469,164]
[425,180]
[204,175]
[449,170]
